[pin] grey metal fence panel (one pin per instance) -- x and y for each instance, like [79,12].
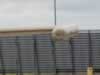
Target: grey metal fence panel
[36,53]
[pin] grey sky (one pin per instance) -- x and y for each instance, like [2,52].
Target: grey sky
[36,12]
[25,12]
[83,12]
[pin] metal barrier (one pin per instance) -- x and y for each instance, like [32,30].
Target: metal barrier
[40,55]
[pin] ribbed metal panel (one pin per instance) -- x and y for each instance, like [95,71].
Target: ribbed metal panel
[39,53]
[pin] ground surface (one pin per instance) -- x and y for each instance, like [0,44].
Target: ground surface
[77,73]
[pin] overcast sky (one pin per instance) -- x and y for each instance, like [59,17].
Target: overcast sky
[38,12]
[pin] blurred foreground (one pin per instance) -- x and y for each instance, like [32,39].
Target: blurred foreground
[61,73]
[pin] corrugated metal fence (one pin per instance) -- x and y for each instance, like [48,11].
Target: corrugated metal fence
[40,54]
